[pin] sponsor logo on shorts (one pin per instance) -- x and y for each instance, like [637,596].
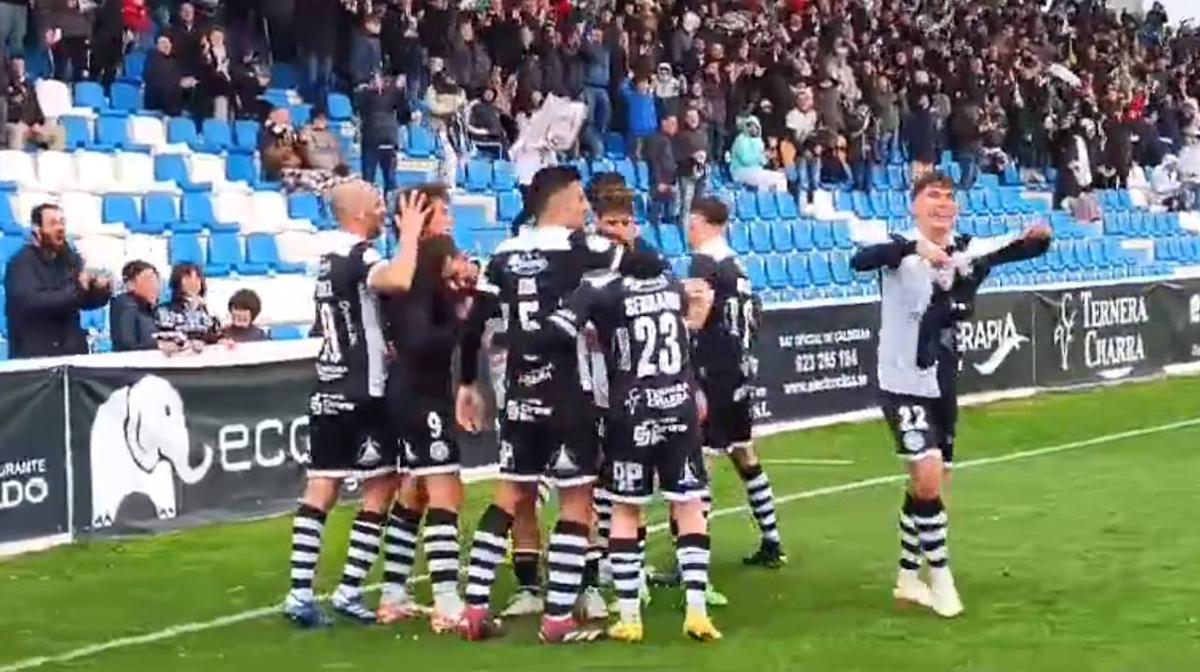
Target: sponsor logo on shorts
[652,432]
[534,377]
[526,410]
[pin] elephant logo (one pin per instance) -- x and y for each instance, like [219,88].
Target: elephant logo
[139,437]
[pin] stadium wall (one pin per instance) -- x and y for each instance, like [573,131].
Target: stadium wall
[135,443]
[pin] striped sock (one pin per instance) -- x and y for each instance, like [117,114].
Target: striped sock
[762,502]
[910,545]
[602,500]
[931,523]
[525,569]
[564,561]
[441,552]
[708,503]
[307,527]
[641,547]
[591,567]
[627,561]
[487,552]
[364,548]
[399,550]
[691,552]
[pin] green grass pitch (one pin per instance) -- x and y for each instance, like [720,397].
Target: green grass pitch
[1084,558]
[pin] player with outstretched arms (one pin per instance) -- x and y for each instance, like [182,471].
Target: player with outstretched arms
[928,282]
[349,432]
[546,426]
[726,367]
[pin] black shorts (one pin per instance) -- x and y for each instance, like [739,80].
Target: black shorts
[650,445]
[730,420]
[356,442]
[921,425]
[425,432]
[556,442]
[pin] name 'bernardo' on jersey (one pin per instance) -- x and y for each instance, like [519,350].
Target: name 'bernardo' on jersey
[1105,351]
[658,302]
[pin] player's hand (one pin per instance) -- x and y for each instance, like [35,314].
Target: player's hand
[411,215]
[932,253]
[1038,231]
[700,301]
[701,406]
[468,408]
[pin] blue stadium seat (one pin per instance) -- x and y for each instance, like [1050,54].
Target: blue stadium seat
[185,248]
[823,235]
[797,267]
[899,203]
[508,206]
[287,332]
[786,203]
[819,271]
[679,266]
[756,270]
[301,114]
[879,179]
[504,176]
[781,236]
[135,67]
[841,236]
[802,234]
[479,175]
[90,94]
[284,76]
[643,175]
[879,203]
[304,205]
[224,252]
[768,208]
[739,237]
[843,201]
[602,166]
[198,211]
[760,237]
[113,133]
[861,205]
[839,263]
[614,146]
[624,166]
[121,210]
[338,107]
[217,136]
[9,226]
[746,206]
[159,214]
[245,135]
[670,240]
[262,250]
[126,97]
[777,275]
[182,130]
[421,143]
[78,130]
[240,167]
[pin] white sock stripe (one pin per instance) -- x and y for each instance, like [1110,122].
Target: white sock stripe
[441,531]
[561,599]
[443,566]
[485,557]
[442,546]
[481,573]
[758,482]
[308,524]
[937,555]
[568,541]
[401,536]
[490,539]
[353,572]
[367,526]
[360,554]
[910,539]
[564,578]
[938,534]
[361,539]
[568,563]
[305,556]
[939,519]
[909,556]
[303,573]
[397,567]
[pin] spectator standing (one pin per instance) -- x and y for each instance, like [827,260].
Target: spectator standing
[664,170]
[167,88]
[801,121]
[316,42]
[484,125]
[14,16]
[469,62]
[244,308]
[968,141]
[596,58]
[920,132]
[382,107]
[108,41]
[135,16]
[691,152]
[280,16]
[748,160]
[716,93]
[67,26]
[26,123]
[187,36]
[47,286]
[184,320]
[885,105]
[641,120]
[366,54]
[829,105]
[131,318]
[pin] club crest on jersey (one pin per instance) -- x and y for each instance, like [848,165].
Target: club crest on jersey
[439,451]
[914,441]
[527,263]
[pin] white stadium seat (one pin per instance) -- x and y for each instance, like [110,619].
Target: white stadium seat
[83,215]
[56,171]
[152,249]
[232,207]
[28,200]
[286,299]
[270,215]
[211,168]
[148,131]
[54,97]
[97,172]
[135,174]
[17,167]
[102,252]
[298,247]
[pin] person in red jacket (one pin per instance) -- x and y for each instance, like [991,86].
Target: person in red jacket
[136,17]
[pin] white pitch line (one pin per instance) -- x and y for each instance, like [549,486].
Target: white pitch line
[809,462]
[200,626]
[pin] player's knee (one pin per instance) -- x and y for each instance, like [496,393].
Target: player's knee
[575,504]
[689,516]
[511,497]
[745,460]
[445,491]
[322,493]
[625,520]
[378,494]
[927,479]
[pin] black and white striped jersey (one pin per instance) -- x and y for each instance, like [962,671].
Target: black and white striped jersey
[723,344]
[528,277]
[351,365]
[641,329]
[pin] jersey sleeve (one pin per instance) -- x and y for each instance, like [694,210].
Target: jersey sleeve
[489,282]
[883,255]
[596,253]
[363,264]
[580,309]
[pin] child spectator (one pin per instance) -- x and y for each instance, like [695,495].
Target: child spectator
[244,307]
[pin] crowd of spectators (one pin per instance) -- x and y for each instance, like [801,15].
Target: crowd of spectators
[789,94]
